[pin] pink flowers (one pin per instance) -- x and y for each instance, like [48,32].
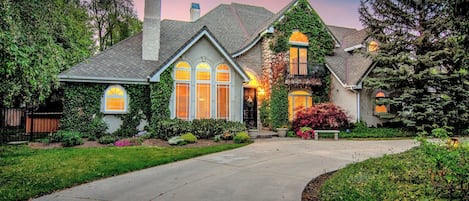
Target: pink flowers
[128,142]
[305,133]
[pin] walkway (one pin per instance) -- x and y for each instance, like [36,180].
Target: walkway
[270,169]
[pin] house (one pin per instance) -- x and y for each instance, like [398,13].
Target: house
[221,65]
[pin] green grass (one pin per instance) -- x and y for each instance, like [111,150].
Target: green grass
[363,132]
[404,176]
[27,173]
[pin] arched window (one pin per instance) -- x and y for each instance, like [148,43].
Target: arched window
[203,90]
[298,54]
[373,46]
[115,99]
[223,91]
[298,100]
[380,108]
[182,77]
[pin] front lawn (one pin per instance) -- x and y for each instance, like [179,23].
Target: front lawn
[428,172]
[27,173]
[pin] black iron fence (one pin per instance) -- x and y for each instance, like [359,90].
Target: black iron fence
[26,125]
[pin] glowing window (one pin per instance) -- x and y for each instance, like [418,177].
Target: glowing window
[182,100]
[115,99]
[373,46]
[223,73]
[297,101]
[253,83]
[183,71]
[203,101]
[299,54]
[223,101]
[203,72]
[380,108]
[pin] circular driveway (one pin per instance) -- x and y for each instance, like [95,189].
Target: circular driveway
[269,169]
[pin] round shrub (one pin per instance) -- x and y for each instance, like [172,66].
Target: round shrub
[321,116]
[189,138]
[241,137]
[176,140]
[107,139]
[71,138]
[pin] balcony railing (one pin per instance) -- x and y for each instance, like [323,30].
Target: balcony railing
[312,77]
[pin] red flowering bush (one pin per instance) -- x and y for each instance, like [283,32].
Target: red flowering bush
[321,116]
[305,133]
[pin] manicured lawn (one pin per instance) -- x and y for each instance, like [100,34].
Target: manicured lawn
[422,173]
[26,173]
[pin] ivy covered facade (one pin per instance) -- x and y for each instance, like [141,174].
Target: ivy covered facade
[221,66]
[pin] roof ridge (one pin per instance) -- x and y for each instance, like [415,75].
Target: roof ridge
[240,22]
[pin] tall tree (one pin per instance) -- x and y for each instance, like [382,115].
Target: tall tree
[39,39]
[113,21]
[422,60]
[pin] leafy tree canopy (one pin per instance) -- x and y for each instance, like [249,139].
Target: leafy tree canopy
[422,60]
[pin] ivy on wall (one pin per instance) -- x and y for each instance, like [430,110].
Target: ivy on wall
[82,108]
[305,20]
[160,95]
[139,109]
[82,104]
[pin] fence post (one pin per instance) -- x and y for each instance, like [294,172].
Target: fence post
[32,126]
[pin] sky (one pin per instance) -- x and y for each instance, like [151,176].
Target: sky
[334,12]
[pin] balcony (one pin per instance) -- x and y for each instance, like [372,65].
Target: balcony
[306,77]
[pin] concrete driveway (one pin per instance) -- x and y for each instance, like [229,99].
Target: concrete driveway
[269,169]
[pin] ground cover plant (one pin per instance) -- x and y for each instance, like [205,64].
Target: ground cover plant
[361,130]
[433,171]
[27,173]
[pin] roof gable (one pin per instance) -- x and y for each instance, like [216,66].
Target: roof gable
[204,32]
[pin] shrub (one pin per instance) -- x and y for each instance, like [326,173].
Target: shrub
[321,116]
[128,142]
[279,105]
[92,138]
[291,134]
[264,113]
[166,129]
[71,138]
[97,127]
[440,133]
[189,138]
[107,139]
[207,128]
[241,137]
[217,138]
[58,136]
[125,132]
[305,132]
[176,140]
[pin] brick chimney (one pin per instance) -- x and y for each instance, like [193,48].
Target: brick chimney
[195,11]
[151,30]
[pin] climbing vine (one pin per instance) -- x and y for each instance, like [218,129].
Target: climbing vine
[139,109]
[82,105]
[160,95]
[304,19]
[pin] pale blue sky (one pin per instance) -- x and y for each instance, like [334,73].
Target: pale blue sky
[333,12]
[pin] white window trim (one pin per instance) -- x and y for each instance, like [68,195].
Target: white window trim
[229,90]
[174,115]
[210,83]
[104,102]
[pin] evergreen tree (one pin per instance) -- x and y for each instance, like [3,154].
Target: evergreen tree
[421,61]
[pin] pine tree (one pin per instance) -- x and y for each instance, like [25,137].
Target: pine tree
[421,61]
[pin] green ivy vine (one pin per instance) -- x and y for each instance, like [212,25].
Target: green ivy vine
[305,20]
[160,95]
[139,109]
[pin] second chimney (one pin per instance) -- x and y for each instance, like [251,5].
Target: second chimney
[151,30]
[195,11]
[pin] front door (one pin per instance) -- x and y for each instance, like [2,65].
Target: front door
[250,107]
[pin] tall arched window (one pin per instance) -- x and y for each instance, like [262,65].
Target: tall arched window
[298,53]
[223,91]
[115,99]
[380,108]
[203,75]
[182,77]
[298,100]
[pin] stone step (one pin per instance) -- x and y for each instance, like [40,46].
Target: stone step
[264,135]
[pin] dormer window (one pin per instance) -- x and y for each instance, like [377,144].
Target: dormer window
[298,54]
[373,46]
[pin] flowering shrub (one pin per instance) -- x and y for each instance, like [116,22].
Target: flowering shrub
[128,142]
[321,116]
[305,133]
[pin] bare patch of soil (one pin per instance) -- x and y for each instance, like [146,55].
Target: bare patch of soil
[147,142]
[311,191]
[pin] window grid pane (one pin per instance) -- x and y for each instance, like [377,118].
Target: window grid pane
[182,101]
[303,60]
[203,101]
[183,75]
[293,61]
[115,104]
[223,101]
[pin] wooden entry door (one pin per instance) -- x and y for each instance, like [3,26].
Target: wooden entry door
[250,107]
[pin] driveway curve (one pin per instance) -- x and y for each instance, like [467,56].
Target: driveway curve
[269,169]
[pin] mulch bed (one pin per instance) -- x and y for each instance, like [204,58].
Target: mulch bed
[311,191]
[147,142]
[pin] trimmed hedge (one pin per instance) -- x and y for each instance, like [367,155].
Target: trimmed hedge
[201,128]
